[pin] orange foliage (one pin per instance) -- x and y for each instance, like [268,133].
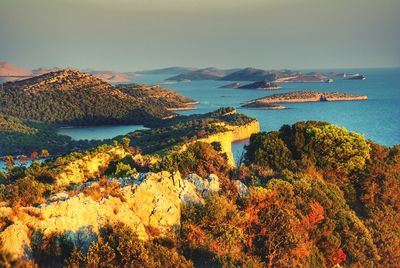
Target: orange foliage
[337,257]
[316,214]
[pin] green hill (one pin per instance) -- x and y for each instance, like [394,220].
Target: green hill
[76,98]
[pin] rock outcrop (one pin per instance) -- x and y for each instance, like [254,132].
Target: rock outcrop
[242,189]
[148,200]
[207,186]
[233,134]
[90,166]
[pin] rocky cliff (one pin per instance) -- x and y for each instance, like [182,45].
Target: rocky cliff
[89,166]
[226,138]
[147,201]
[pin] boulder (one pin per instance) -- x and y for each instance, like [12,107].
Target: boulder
[242,189]
[205,186]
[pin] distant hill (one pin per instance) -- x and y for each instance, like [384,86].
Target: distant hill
[9,72]
[73,97]
[113,76]
[261,85]
[210,73]
[6,69]
[168,70]
[277,76]
[250,74]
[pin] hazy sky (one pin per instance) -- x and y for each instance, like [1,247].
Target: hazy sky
[129,35]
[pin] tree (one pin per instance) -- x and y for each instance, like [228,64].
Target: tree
[125,142]
[267,149]
[9,160]
[44,153]
[34,155]
[339,149]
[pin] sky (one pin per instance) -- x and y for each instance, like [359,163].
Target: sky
[129,35]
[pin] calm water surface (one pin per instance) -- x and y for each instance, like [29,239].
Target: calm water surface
[98,132]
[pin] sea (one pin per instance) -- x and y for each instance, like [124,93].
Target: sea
[377,118]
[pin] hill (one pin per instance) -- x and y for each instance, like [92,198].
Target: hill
[250,74]
[9,72]
[72,97]
[6,69]
[158,96]
[113,76]
[202,74]
[13,124]
[277,76]
[261,85]
[168,70]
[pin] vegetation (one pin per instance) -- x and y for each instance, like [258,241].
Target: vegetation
[309,143]
[156,96]
[186,129]
[318,196]
[31,137]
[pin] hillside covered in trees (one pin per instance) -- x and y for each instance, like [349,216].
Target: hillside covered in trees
[309,195]
[25,137]
[76,98]
[21,137]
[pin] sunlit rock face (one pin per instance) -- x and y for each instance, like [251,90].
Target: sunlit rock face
[147,200]
[233,134]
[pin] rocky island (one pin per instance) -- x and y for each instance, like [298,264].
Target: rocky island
[301,96]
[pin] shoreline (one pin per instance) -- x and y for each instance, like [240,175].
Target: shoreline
[265,108]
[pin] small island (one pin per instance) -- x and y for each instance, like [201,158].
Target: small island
[357,77]
[261,85]
[300,96]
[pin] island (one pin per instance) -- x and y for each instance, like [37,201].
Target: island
[301,96]
[202,74]
[356,77]
[167,71]
[261,85]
